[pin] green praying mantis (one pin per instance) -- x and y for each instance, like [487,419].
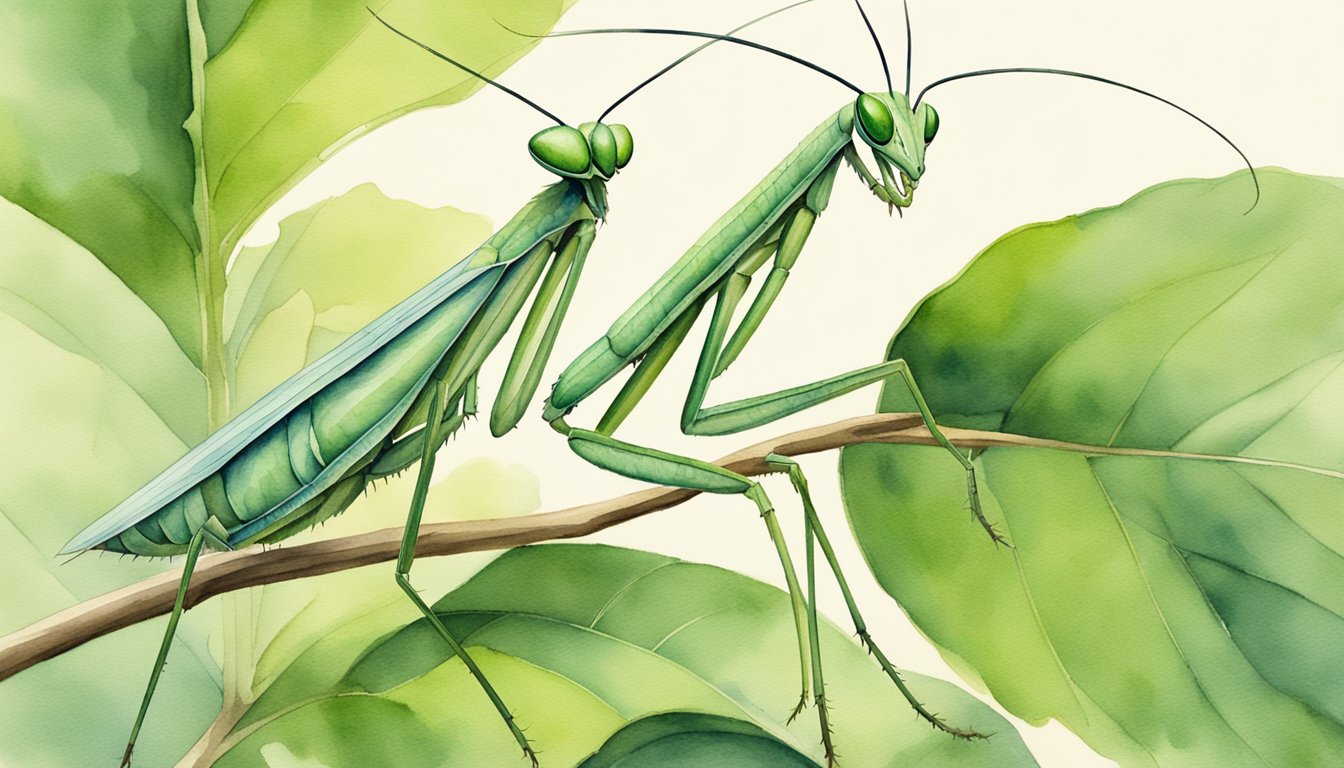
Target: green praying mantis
[772,224]
[391,394]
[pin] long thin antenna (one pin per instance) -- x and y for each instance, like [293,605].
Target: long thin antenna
[1085,76]
[880,54]
[691,53]
[909,47]
[469,70]
[707,35]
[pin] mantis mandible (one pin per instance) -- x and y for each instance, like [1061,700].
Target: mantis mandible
[772,224]
[389,395]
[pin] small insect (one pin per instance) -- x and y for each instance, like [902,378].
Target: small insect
[392,393]
[772,224]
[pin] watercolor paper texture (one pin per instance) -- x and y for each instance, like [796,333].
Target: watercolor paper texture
[202,199]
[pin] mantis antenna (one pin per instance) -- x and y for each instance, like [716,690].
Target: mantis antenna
[1096,78]
[878,42]
[909,47]
[688,55]
[467,69]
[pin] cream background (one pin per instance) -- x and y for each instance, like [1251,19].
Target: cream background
[1012,150]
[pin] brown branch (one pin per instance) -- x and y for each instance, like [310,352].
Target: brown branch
[224,572]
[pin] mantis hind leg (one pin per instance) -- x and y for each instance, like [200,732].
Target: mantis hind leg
[813,528]
[406,559]
[213,532]
[664,468]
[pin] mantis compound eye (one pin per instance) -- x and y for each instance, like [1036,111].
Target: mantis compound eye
[930,122]
[625,144]
[561,150]
[602,143]
[875,121]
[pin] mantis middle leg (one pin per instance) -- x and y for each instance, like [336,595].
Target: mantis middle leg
[406,558]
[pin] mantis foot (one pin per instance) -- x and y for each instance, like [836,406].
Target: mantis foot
[973,501]
[827,736]
[933,719]
[797,710]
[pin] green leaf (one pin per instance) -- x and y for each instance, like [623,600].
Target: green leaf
[581,640]
[1173,595]
[96,399]
[91,140]
[692,738]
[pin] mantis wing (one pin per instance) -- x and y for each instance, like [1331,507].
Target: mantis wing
[222,445]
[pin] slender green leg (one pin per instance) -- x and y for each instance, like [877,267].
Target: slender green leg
[813,526]
[814,640]
[664,468]
[407,557]
[215,537]
[972,491]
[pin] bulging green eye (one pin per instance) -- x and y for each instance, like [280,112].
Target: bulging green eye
[930,122]
[561,149]
[602,142]
[625,144]
[875,119]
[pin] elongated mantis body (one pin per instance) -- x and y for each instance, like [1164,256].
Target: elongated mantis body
[771,224]
[389,395]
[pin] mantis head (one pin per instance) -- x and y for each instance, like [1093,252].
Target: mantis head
[898,136]
[591,154]
[591,150]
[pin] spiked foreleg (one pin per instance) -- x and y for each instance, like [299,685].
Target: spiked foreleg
[543,322]
[880,189]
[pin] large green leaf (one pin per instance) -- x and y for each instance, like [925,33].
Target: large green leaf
[673,739]
[1174,592]
[96,398]
[91,140]
[154,133]
[581,640]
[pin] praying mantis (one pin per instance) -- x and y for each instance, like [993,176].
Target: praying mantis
[390,394]
[772,223]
